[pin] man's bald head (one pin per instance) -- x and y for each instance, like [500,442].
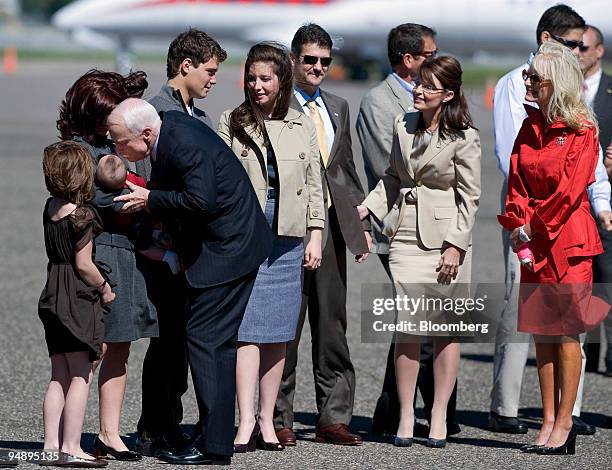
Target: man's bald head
[134,126]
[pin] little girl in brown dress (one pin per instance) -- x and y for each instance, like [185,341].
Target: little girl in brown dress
[70,306]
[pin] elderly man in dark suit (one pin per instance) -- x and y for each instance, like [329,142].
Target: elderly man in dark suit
[222,240]
[324,290]
[408,45]
[191,65]
[598,95]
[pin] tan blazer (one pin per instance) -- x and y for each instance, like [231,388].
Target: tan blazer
[447,184]
[294,140]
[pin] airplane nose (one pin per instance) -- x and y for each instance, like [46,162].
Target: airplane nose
[67,17]
[76,15]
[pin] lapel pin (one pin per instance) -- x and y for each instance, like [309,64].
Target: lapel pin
[561,139]
[336,114]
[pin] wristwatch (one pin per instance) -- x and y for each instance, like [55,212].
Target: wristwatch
[523,235]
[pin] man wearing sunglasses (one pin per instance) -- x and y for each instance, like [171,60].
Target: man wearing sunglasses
[562,24]
[408,46]
[598,95]
[324,290]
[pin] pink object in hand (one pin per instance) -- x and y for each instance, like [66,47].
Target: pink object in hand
[525,255]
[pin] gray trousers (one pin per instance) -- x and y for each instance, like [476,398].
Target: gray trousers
[511,346]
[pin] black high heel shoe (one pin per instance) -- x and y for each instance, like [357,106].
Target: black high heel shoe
[531,448]
[251,445]
[101,450]
[569,448]
[263,445]
[435,443]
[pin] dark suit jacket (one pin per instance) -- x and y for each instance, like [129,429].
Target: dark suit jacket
[603,110]
[197,180]
[340,176]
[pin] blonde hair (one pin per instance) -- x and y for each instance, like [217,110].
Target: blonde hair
[68,171]
[556,63]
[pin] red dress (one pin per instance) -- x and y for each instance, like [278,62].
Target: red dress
[550,169]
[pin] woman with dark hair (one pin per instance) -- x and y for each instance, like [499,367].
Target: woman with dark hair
[427,202]
[83,114]
[278,147]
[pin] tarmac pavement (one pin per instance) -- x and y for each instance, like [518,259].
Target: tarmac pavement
[28,109]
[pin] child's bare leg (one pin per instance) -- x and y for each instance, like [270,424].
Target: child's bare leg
[53,404]
[76,402]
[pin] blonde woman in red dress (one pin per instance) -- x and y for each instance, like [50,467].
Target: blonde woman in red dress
[551,166]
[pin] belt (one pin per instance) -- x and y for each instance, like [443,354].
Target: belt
[410,196]
[272,193]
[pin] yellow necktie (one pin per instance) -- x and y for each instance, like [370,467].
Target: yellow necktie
[322,139]
[321,134]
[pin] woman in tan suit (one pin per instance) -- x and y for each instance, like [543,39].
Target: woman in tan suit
[279,149]
[427,201]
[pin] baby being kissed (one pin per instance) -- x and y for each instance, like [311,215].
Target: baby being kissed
[150,241]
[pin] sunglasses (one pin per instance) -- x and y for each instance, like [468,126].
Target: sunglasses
[312,60]
[567,42]
[534,78]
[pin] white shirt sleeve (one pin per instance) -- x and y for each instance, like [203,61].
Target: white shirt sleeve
[508,115]
[599,191]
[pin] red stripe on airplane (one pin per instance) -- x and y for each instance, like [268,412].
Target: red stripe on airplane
[150,3]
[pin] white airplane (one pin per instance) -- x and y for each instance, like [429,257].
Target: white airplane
[359,27]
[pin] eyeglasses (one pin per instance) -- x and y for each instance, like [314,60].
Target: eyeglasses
[425,54]
[534,78]
[567,42]
[427,88]
[312,60]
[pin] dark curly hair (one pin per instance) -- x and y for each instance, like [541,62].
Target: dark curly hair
[195,45]
[91,99]
[249,113]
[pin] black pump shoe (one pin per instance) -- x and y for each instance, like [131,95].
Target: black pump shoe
[263,445]
[531,448]
[569,448]
[251,445]
[435,443]
[101,450]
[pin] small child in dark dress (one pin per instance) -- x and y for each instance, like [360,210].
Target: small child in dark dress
[70,306]
[150,241]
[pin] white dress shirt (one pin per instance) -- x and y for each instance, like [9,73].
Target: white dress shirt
[591,85]
[303,98]
[508,116]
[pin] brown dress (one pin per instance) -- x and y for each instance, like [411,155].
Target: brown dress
[70,310]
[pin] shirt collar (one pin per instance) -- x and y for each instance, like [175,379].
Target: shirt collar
[154,149]
[304,97]
[404,84]
[530,59]
[593,79]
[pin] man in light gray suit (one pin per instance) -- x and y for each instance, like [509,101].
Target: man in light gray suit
[408,46]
